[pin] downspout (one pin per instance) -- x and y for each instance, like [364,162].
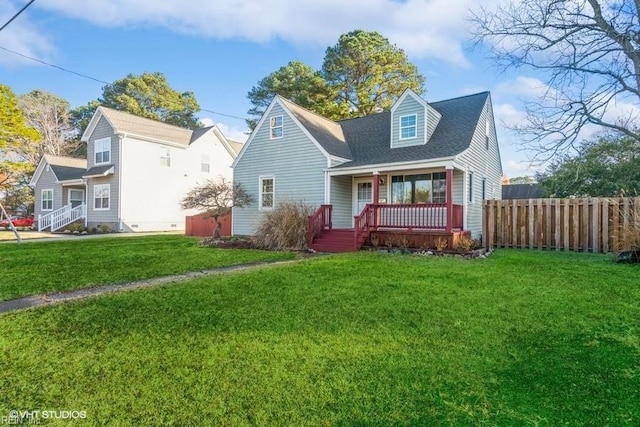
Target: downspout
[119,173]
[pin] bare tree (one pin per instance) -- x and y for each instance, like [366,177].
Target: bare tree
[216,198]
[590,52]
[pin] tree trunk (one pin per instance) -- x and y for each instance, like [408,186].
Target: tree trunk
[216,231]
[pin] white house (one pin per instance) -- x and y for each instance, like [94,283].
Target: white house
[136,172]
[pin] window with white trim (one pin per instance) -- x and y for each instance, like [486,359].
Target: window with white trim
[165,156]
[102,150]
[46,199]
[266,192]
[484,188]
[205,165]
[423,188]
[101,196]
[275,125]
[408,126]
[487,128]
[470,187]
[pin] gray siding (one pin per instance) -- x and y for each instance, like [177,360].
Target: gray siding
[458,187]
[485,164]
[342,200]
[408,106]
[111,216]
[295,163]
[47,181]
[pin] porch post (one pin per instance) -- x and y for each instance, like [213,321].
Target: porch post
[449,191]
[376,197]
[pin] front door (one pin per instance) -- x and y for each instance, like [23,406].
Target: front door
[76,197]
[363,190]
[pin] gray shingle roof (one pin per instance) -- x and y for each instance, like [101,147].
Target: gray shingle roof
[366,140]
[102,170]
[66,168]
[328,133]
[129,123]
[369,137]
[522,191]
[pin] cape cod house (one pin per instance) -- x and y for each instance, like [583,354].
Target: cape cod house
[420,169]
[136,172]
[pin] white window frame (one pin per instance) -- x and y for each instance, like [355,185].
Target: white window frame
[205,163]
[405,127]
[70,190]
[470,189]
[96,189]
[484,188]
[165,157]
[261,192]
[42,199]
[101,146]
[274,126]
[487,129]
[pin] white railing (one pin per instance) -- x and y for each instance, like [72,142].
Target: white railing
[59,218]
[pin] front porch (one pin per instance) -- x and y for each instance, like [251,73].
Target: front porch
[408,225]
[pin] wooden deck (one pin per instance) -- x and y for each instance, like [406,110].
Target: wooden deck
[409,226]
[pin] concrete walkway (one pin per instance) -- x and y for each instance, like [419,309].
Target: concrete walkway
[34,301]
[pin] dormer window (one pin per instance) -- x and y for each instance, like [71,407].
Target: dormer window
[276,127]
[103,150]
[408,128]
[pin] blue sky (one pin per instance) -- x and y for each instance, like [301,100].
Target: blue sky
[220,49]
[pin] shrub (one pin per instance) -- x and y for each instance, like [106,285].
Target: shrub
[628,236]
[76,227]
[464,244]
[104,228]
[285,227]
[441,243]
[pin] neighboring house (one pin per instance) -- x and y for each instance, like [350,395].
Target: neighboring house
[420,167]
[522,191]
[137,171]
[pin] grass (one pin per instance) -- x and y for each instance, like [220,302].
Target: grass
[42,267]
[520,339]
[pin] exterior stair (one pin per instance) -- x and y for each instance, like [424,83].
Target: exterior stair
[336,240]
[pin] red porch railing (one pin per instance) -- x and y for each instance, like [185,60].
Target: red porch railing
[320,220]
[428,216]
[363,224]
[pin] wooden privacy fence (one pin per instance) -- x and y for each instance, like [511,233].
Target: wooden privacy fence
[581,224]
[203,226]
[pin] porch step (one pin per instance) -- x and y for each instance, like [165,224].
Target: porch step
[336,240]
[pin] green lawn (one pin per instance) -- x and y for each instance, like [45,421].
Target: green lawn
[520,339]
[40,267]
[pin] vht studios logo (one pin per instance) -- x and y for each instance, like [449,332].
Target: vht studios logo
[33,417]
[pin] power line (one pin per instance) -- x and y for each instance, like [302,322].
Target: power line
[53,65]
[85,76]
[16,15]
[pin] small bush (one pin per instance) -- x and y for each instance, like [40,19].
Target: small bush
[76,227]
[104,228]
[285,227]
[628,236]
[464,244]
[441,243]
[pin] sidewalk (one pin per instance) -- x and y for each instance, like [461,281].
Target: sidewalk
[36,236]
[35,301]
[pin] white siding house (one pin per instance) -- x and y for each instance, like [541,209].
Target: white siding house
[137,171]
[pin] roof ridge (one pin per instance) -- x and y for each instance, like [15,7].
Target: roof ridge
[306,109]
[164,124]
[460,97]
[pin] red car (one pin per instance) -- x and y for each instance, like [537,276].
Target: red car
[18,221]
